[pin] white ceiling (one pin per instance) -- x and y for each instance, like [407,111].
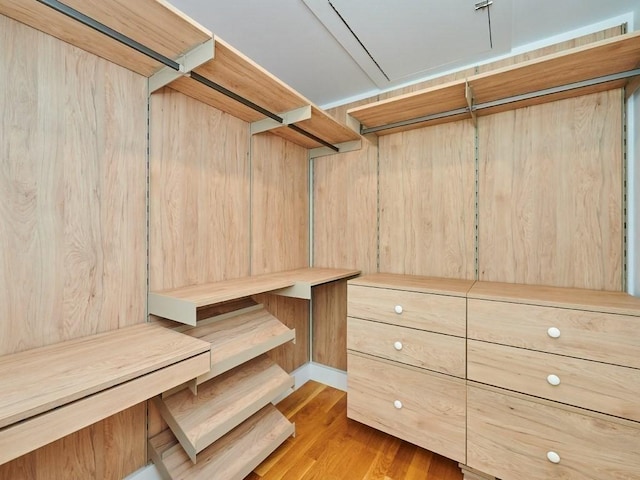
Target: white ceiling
[307,44]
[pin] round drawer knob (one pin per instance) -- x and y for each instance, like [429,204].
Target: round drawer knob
[397,346]
[553,380]
[397,404]
[398,309]
[553,332]
[553,457]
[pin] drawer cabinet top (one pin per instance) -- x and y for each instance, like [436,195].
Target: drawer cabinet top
[579,299]
[440,286]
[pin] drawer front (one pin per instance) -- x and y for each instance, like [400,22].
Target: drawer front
[511,437]
[441,353]
[595,336]
[436,313]
[601,387]
[431,412]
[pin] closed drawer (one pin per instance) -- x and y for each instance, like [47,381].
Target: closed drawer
[511,437]
[595,336]
[423,408]
[441,353]
[437,313]
[601,387]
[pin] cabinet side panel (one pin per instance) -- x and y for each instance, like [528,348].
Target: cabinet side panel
[550,194]
[330,324]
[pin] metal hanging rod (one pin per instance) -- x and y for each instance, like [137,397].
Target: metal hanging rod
[313,137]
[90,22]
[504,101]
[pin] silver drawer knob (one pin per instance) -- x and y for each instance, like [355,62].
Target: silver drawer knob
[553,457]
[553,332]
[397,404]
[397,346]
[398,309]
[553,380]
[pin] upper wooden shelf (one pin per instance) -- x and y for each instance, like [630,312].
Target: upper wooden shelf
[153,23]
[504,86]
[574,298]
[234,71]
[49,392]
[181,304]
[435,285]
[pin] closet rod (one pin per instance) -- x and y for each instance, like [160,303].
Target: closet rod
[313,137]
[503,101]
[109,32]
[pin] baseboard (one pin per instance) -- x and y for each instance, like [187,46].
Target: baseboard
[150,472]
[328,376]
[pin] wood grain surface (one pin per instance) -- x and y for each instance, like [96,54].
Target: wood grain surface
[329,314]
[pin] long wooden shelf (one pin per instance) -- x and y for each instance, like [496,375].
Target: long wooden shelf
[49,392]
[232,457]
[434,285]
[154,23]
[504,86]
[221,405]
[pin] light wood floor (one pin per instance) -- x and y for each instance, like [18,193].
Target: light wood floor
[329,446]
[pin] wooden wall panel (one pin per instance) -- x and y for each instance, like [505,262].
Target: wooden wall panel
[280,205]
[550,194]
[199,193]
[72,224]
[330,324]
[427,209]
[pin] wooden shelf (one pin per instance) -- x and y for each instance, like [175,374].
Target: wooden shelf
[221,405]
[49,392]
[232,457]
[234,71]
[596,60]
[153,23]
[239,336]
[412,283]
[181,304]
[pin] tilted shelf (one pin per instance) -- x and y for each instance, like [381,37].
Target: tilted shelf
[232,457]
[222,404]
[49,392]
[153,23]
[599,66]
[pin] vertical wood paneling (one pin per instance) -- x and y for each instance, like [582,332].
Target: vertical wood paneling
[427,201]
[72,224]
[330,324]
[199,193]
[550,194]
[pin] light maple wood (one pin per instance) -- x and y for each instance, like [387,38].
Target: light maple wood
[427,209]
[602,337]
[550,194]
[415,283]
[437,313]
[329,313]
[280,205]
[433,351]
[509,437]
[154,23]
[604,388]
[232,457]
[308,278]
[433,406]
[223,403]
[199,193]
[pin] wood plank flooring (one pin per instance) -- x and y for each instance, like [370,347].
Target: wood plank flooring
[329,446]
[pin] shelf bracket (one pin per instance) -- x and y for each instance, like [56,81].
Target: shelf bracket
[188,61]
[290,117]
[342,148]
[468,94]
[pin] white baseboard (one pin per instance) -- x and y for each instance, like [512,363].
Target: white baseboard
[150,472]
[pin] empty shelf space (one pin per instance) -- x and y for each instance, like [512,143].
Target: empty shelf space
[307,278]
[154,24]
[223,403]
[240,336]
[232,457]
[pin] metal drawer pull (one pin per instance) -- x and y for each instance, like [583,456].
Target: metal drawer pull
[553,457]
[553,380]
[397,346]
[553,332]
[397,404]
[398,309]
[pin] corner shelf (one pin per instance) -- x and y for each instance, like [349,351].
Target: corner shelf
[596,67]
[49,392]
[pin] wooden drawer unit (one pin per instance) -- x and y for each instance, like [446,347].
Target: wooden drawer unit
[515,438]
[604,337]
[424,408]
[434,351]
[596,386]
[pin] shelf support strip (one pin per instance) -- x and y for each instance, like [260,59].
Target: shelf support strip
[292,116]
[190,60]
